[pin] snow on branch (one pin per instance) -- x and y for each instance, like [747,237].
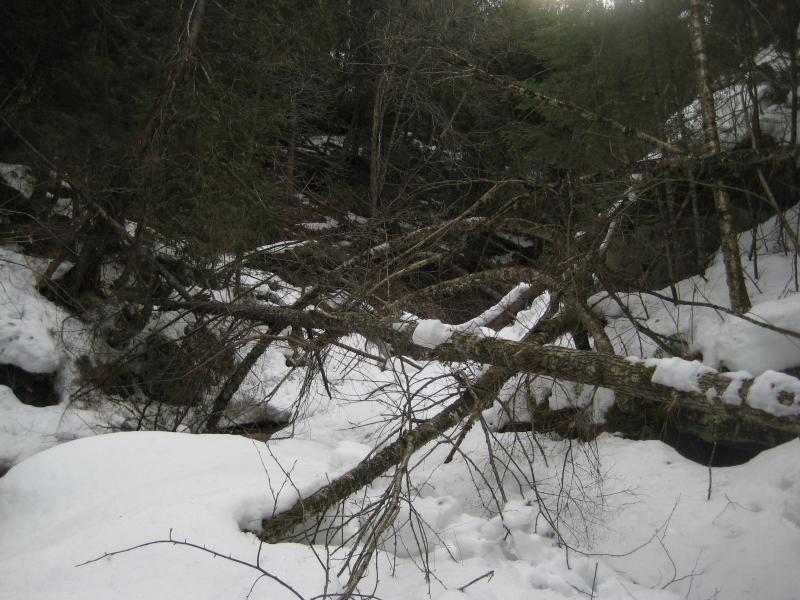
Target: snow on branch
[772,399]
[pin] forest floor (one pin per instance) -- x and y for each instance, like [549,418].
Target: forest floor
[166,514]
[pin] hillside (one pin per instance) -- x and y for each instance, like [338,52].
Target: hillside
[400,300]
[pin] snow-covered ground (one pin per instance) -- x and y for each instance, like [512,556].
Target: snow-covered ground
[719,338]
[643,521]
[507,518]
[165,515]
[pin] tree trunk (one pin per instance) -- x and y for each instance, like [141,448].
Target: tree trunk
[376,168]
[232,384]
[631,377]
[737,289]
[478,397]
[290,153]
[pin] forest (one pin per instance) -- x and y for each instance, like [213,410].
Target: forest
[399,299]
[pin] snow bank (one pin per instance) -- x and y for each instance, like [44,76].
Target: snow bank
[34,333]
[26,430]
[734,108]
[743,345]
[718,338]
[26,319]
[27,344]
[738,545]
[80,500]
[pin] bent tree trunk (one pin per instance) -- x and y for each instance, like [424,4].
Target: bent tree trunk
[620,374]
[478,397]
[769,404]
[626,375]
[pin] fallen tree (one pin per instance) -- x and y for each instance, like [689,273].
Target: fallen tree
[477,397]
[770,403]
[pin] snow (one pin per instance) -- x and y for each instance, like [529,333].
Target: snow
[704,326]
[33,330]
[731,394]
[734,108]
[326,143]
[280,247]
[18,177]
[525,319]
[328,223]
[27,344]
[740,344]
[405,322]
[720,338]
[354,218]
[734,542]
[83,499]
[508,517]
[430,333]
[502,259]
[633,519]
[518,240]
[39,337]
[677,373]
[64,207]
[489,315]
[766,388]
[26,430]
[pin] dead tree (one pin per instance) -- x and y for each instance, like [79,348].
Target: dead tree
[477,397]
[710,393]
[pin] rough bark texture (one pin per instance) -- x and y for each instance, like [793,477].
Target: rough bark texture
[630,377]
[740,301]
[478,397]
[737,289]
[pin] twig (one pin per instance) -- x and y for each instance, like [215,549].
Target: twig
[487,576]
[215,554]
